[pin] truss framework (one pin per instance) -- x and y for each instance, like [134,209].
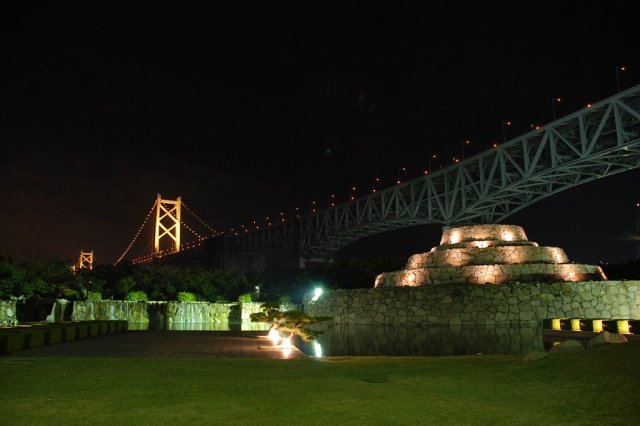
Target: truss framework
[85,261]
[168,213]
[589,144]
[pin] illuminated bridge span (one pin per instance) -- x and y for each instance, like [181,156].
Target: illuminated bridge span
[592,143]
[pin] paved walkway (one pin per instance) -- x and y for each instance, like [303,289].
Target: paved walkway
[165,344]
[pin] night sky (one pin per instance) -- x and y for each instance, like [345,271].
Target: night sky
[248,110]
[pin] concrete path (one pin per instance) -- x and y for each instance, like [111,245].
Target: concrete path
[166,344]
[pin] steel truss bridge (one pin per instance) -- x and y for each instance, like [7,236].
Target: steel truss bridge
[590,144]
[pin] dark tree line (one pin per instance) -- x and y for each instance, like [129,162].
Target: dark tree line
[52,278]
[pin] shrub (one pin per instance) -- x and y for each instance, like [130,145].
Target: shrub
[94,296]
[136,296]
[285,300]
[186,296]
[245,298]
[70,294]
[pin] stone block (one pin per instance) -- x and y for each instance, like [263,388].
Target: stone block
[11,342]
[606,337]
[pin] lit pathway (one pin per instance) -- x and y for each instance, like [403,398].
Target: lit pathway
[165,344]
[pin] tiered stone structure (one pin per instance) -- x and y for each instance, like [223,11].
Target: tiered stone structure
[445,286]
[488,254]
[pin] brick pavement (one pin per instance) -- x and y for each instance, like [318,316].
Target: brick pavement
[165,344]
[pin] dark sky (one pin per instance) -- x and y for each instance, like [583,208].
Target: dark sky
[247,110]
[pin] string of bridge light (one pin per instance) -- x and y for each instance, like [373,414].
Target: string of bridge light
[377,181]
[215,233]
[135,237]
[190,245]
[200,237]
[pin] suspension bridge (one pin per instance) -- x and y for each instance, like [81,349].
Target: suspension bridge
[595,142]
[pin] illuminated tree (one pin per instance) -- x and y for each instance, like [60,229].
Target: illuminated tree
[291,323]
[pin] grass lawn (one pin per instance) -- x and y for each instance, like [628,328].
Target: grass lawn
[599,386]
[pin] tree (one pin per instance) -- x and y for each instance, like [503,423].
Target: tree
[293,323]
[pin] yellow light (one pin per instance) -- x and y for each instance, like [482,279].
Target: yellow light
[597,325]
[286,343]
[575,324]
[555,324]
[623,327]
[589,105]
[274,336]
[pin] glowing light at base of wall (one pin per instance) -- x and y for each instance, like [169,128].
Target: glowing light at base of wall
[623,327]
[575,325]
[597,325]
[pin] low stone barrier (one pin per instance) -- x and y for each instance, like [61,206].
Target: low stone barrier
[453,304]
[28,337]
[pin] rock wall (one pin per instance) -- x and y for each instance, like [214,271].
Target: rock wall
[171,312]
[8,313]
[111,310]
[185,312]
[490,274]
[454,304]
[463,234]
[499,255]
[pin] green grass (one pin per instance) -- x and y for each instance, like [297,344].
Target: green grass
[595,387]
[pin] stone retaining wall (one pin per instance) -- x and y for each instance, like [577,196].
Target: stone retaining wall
[8,313]
[499,255]
[490,274]
[499,304]
[171,312]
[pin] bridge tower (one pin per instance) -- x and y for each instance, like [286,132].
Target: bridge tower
[167,222]
[85,261]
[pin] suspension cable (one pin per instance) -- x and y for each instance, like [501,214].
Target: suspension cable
[200,220]
[200,237]
[135,237]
